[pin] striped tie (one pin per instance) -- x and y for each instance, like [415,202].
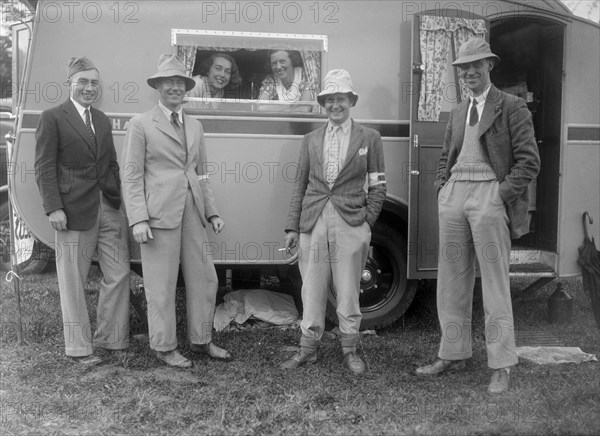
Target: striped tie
[88,124]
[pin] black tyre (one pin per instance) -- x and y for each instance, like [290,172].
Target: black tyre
[385,291]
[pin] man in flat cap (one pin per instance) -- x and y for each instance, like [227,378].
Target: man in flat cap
[331,216]
[488,159]
[169,203]
[78,178]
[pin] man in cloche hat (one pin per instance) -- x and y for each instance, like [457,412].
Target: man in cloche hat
[488,159]
[77,174]
[169,203]
[331,216]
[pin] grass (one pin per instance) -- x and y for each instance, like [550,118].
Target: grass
[42,391]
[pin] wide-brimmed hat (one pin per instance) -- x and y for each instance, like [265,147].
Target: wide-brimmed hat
[79,63]
[336,82]
[170,65]
[473,50]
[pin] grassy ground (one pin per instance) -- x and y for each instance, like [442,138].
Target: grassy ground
[42,391]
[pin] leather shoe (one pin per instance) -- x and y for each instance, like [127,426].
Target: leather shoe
[355,363]
[211,350]
[500,381]
[299,359]
[440,366]
[174,358]
[89,361]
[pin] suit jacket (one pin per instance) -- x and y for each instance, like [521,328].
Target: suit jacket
[69,171]
[507,137]
[158,171]
[311,190]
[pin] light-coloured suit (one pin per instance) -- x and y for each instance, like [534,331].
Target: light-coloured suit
[83,180]
[335,228]
[477,219]
[165,183]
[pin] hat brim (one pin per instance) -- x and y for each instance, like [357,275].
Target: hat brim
[323,95]
[476,57]
[156,78]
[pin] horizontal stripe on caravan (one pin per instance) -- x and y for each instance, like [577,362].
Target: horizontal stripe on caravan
[583,133]
[253,125]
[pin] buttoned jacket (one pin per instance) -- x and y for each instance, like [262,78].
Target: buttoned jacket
[70,171]
[158,171]
[506,133]
[311,190]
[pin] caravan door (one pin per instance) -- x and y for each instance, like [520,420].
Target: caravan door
[435,91]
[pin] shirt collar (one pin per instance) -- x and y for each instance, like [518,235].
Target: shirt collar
[483,97]
[81,109]
[345,126]
[168,112]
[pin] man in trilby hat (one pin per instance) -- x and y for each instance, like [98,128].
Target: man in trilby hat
[169,203]
[77,174]
[488,159]
[331,216]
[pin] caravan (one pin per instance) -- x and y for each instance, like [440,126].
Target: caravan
[399,54]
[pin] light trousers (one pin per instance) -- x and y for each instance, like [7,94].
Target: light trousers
[187,244]
[474,229]
[107,241]
[332,256]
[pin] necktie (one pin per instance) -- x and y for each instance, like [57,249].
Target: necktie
[473,116]
[88,124]
[333,157]
[175,119]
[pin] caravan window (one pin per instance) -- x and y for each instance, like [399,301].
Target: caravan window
[247,71]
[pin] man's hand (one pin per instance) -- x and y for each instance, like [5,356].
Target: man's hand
[291,240]
[58,219]
[142,232]
[217,224]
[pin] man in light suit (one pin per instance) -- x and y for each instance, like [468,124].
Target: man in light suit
[331,217]
[169,203]
[488,159]
[77,174]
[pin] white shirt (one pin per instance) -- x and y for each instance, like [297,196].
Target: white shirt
[480,103]
[168,112]
[344,138]
[81,109]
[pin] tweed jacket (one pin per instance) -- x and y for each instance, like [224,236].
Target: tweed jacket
[158,171]
[507,137]
[364,160]
[70,172]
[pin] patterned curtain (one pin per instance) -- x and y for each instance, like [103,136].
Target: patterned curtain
[434,41]
[312,69]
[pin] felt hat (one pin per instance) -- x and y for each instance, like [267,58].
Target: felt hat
[473,50]
[170,65]
[79,63]
[337,82]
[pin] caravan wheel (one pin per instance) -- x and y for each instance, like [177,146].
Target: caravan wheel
[385,291]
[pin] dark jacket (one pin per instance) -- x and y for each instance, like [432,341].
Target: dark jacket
[507,136]
[69,172]
[311,191]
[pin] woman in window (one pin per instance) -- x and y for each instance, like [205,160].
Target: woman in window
[217,72]
[288,83]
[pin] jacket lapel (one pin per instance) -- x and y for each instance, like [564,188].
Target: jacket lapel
[458,124]
[491,110]
[190,133]
[356,140]
[317,145]
[163,124]
[74,119]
